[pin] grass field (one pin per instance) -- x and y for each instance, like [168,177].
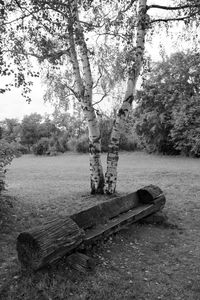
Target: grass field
[141,262]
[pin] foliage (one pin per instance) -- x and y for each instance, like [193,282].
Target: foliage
[10,130]
[63,141]
[127,140]
[82,144]
[185,133]
[73,124]
[127,143]
[7,153]
[30,129]
[167,104]
[71,144]
[41,147]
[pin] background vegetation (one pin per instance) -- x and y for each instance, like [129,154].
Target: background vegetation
[166,119]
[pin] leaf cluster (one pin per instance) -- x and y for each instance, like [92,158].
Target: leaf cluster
[167,116]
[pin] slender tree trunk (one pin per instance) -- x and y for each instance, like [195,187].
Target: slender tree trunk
[133,74]
[96,169]
[84,86]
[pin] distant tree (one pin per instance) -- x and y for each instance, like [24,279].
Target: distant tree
[10,129]
[185,133]
[47,129]
[73,125]
[30,129]
[168,105]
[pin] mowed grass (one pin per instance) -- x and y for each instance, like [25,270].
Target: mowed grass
[141,262]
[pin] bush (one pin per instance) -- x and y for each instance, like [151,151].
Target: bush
[71,144]
[7,153]
[127,143]
[185,133]
[82,144]
[63,142]
[42,146]
[20,148]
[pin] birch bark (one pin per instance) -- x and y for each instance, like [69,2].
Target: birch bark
[84,87]
[133,74]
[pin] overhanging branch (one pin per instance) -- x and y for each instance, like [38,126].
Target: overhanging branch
[173,7]
[173,19]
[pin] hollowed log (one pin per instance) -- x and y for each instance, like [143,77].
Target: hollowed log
[48,243]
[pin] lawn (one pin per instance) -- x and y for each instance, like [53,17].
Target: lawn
[141,262]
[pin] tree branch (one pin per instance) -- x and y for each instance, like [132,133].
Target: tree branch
[172,7]
[100,99]
[97,82]
[173,19]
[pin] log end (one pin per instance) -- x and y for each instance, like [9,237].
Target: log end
[28,250]
[149,194]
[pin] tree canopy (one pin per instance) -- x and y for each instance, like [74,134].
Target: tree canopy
[168,114]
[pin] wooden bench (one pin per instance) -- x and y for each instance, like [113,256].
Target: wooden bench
[48,243]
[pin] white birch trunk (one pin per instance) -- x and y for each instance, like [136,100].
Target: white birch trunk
[84,86]
[113,148]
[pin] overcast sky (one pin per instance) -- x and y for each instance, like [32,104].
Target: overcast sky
[13,105]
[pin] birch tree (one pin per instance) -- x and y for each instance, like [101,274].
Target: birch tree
[83,91]
[133,74]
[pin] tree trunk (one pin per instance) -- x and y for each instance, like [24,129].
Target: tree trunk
[84,95]
[96,169]
[133,74]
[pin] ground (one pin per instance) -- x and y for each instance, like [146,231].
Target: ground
[143,261]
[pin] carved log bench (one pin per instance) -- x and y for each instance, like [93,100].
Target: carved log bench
[46,244]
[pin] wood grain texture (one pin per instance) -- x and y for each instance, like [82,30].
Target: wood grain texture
[48,243]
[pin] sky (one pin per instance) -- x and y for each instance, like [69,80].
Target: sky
[13,105]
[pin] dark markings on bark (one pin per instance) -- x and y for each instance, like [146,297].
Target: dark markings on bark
[129,99]
[114,140]
[122,112]
[113,149]
[92,149]
[109,182]
[100,188]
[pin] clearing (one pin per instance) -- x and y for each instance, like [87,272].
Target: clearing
[141,262]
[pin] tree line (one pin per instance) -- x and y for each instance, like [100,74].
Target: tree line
[166,119]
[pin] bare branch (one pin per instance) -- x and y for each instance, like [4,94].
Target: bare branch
[73,91]
[97,82]
[100,99]
[173,7]
[173,19]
